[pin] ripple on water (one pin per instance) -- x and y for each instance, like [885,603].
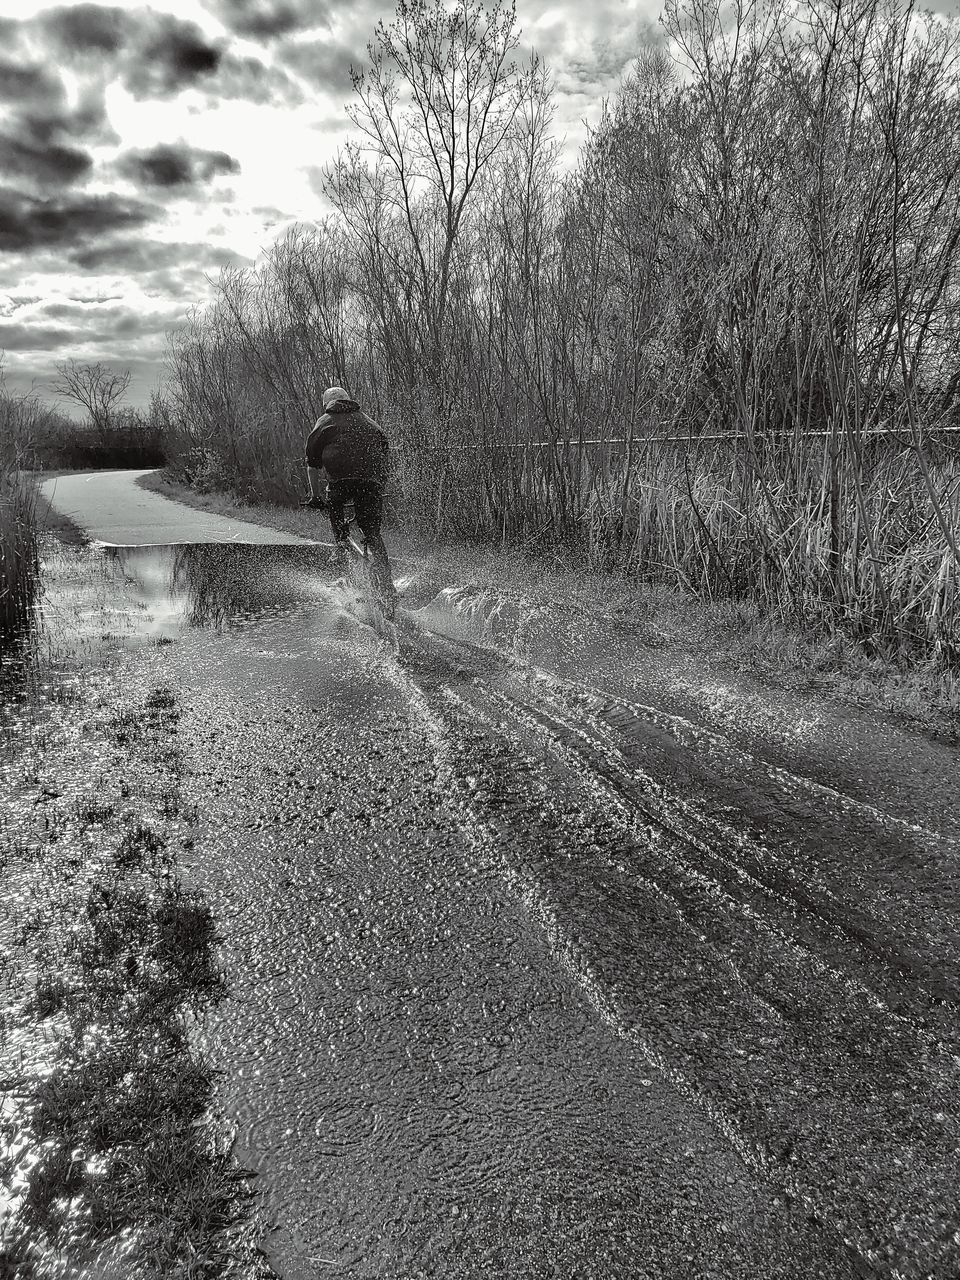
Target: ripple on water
[462,921]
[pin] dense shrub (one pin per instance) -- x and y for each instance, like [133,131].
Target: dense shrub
[128,440]
[47,439]
[19,561]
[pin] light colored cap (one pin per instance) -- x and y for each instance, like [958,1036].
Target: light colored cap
[332,395]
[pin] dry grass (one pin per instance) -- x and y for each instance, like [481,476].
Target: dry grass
[703,521]
[19,559]
[48,518]
[305,524]
[127,1149]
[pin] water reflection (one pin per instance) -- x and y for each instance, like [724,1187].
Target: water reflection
[126,597]
[209,585]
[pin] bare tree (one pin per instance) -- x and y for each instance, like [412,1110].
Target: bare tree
[436,103]
[725,348]
[94,387]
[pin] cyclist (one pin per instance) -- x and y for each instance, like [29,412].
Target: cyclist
[353,451]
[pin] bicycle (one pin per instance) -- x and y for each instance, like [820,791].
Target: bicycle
[378,577]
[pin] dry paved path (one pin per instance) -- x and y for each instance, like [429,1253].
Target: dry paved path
[111,508]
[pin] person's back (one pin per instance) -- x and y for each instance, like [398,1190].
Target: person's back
[347,444]
[353,451]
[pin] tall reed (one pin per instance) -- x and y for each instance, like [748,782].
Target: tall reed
[19,552]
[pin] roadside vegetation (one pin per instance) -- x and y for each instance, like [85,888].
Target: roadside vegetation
[723,635]
[112,1156]
[19,554]
[723,353]
[110,434]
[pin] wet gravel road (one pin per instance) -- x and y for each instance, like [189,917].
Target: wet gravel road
[542,964]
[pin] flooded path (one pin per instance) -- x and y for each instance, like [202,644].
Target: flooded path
[542,965]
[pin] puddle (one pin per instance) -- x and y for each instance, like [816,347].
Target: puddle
[529,978]
[128,597]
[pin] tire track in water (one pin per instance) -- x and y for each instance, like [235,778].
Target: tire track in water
[420,1054]
[770,1000]
[759,878]
[916,855]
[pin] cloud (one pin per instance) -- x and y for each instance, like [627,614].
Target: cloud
[169,55]
[38,137]
[156,55]
[82,309]
[85,28]
[12,302]
[53,121]
[267,19]
[138,257]
[324,64]
[27,84]
[15,336]
[252,80]
[128,331]
[47,164]
[589,50]
[175,165]
[28,223]
[107,322]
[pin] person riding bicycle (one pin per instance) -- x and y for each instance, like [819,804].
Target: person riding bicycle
[353,451]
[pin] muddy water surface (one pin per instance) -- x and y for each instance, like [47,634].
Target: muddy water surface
[546,959]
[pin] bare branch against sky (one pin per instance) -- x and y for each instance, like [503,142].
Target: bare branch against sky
[144,148]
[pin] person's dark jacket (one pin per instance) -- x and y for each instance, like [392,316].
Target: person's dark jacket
[348,444]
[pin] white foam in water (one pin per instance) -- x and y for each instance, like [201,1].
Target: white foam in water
[355,603]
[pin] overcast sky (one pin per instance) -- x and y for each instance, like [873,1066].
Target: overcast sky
[143,148]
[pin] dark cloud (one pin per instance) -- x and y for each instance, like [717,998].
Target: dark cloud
[27,223]
[45,163]
[175,165]
[266,19]
[170,55]
[15,336]
[138,257]
[325,64]
[38,139]
[79,309]
[56,122]
[134,324]
[85,28]
[26,84]
[36,94]
[251,80]
[155,54]
[95,322]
